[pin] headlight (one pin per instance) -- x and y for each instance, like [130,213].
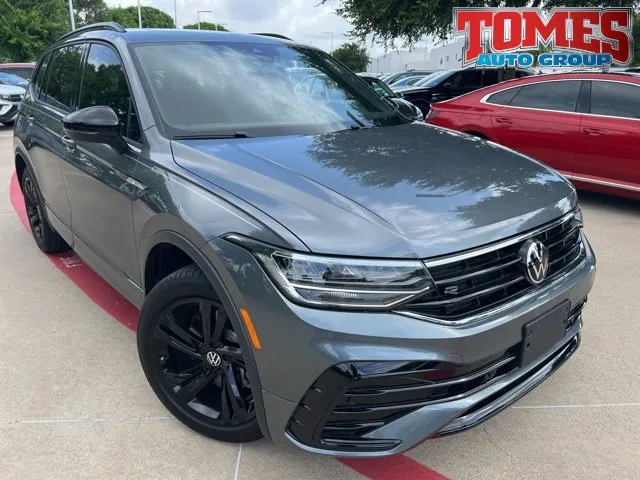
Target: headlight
[317,280]
[577,214]
[4,97]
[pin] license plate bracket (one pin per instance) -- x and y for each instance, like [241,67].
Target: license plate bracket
[539,335]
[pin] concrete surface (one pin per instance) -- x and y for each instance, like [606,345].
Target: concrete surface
[74,402]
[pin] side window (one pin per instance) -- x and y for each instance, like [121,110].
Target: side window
[104,83]
[41,74]
[615,99]
[558,96]
[489,77]
[63,78]
[504,97]
[471,78]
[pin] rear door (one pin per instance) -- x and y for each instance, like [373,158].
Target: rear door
[539,120]
[57,87]
[609,150]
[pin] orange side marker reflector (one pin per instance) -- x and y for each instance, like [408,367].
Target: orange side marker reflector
[252,331]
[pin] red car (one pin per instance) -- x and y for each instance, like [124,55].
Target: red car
[586,125]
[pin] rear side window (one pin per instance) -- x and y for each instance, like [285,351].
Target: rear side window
[558,96]
[615,99]
[104,83]
[504,97]
[63,78]
[469,78]
[41,74]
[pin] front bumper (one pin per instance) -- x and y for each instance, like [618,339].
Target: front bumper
[302,346]
[8,111]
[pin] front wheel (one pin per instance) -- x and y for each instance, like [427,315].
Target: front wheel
[191,356]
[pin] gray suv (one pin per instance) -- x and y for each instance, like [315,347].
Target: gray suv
[316,269]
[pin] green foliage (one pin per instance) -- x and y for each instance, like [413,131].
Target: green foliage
[87,12]
[636,40]
[206,26]
[28,26]
[409,21]
[151,17]
[353,55]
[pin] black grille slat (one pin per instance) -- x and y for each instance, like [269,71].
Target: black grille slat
[477,284]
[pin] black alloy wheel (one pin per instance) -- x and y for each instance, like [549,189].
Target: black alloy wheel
[34,211]
[193,360]
[47,239]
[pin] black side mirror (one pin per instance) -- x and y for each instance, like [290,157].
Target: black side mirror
[399,95]
[95,124]
[447,85]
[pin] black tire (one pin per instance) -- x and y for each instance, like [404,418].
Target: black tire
[47,239]
[174,342]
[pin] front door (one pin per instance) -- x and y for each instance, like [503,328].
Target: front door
[100,180]
[541,121]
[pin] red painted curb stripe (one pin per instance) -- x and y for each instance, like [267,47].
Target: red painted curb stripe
[103,294]
[397,467]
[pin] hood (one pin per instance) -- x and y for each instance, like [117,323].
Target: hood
[411,190]
[412,89]
[11,90]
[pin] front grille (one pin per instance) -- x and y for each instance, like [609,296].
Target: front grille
[475,284]
[350,400]
[15,98]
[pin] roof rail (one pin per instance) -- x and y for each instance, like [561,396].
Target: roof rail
[114,26]
[275,35]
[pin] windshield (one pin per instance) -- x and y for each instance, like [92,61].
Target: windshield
[434,79]
[380,87]
[256,89]
[11,79]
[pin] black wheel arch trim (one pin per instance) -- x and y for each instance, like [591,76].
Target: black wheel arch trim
[201,260]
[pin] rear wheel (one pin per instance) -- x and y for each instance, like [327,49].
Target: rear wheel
[191,356]
[47,239]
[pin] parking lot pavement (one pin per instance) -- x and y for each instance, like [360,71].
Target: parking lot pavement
[74,402]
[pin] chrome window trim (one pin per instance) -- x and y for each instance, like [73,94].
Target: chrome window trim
[484,99]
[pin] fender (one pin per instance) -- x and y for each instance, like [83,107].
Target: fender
[210,271]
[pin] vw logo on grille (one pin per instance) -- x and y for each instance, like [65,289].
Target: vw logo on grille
[535,257]
[213,358]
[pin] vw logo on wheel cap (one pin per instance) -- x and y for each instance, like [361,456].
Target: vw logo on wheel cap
[535,257]
[214,359]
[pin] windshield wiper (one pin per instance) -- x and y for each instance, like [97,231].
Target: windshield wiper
[219,136]
[355,119]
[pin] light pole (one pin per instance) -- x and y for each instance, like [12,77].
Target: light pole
[202,11]
[73,20]
[175,13]
[330,33]
[139,15]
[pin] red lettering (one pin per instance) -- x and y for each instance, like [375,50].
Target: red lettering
[616,42]
[554,29]
[499,39]
[472,23]
[583,23]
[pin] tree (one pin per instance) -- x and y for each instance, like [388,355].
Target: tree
[409,21]
[206,26]
[151,17]
[353,55]
[636,40]
[89,11]
[28,26]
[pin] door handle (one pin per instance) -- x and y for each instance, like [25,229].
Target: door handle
[504,121]
[30,120]
[68,143]
[593,132]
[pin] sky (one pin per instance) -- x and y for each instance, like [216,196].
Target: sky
[303,20]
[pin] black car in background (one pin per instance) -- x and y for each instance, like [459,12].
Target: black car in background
[406,108]
[394,77]
[453,83]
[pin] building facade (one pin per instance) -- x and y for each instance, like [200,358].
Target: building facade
[434,58]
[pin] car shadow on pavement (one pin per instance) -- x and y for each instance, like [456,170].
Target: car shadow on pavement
[608,202]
